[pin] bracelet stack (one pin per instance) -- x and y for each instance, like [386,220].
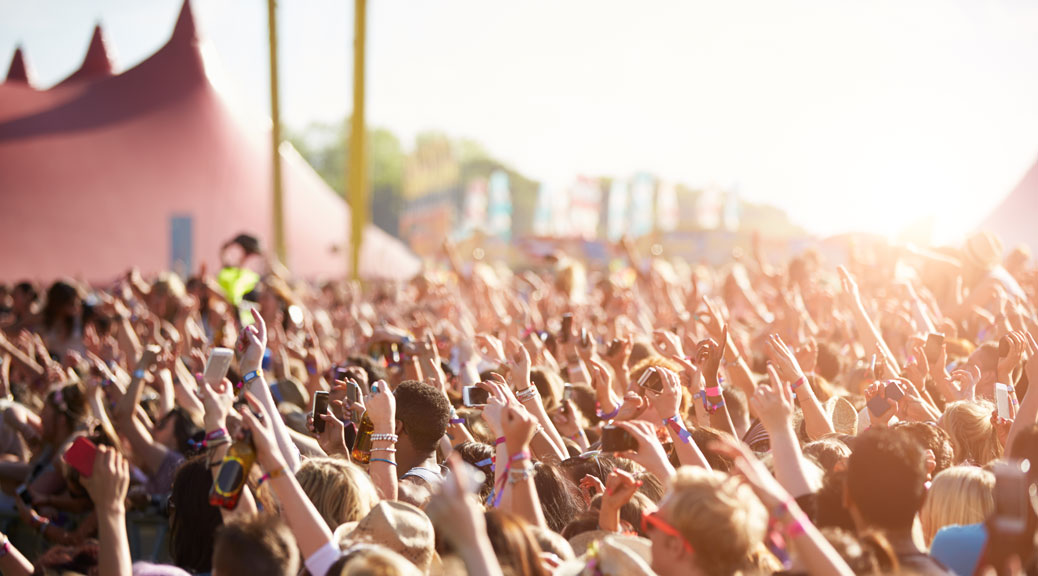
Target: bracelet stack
[393,438]
[800,382]
[521,473]
[526,394]
[215,438]
[675,424]
[791,523]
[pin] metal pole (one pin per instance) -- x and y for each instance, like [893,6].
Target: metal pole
[357,165]
[277,209]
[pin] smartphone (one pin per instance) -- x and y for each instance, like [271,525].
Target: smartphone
[24,494]
[1003,347]
[1012,501]
[341,374]
[80,456]
[585,338]
[615,347]
[567,328]
[352,392]
[320,407]
[217,365]
[474,396]
[878,405]
[617,440]
[894,391]
[934,342]
[1002,401]
[651,380]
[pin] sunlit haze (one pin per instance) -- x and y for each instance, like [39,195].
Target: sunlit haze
[850,115]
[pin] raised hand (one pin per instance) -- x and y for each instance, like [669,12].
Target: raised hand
[773,402]
[807,355]
[519,427]
[491,348]
[783,359]
[667,402]
[667,343]
[381,406]
[252,342]
[218,402]
[110,481]
[333,438]
[650,453]
[620,487]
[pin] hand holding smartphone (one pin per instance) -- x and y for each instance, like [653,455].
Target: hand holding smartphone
[80,456]
[616,439]
[217,365]
[320,407]
[474,396]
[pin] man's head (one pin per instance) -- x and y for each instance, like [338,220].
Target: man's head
[706,518]
[886,477]
[423,413]
[263,546]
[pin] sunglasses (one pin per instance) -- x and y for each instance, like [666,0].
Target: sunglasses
[653,519]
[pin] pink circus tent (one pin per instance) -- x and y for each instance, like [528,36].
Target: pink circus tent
[1014,219]
[155,168]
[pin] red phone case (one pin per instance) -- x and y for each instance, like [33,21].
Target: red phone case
[80,455]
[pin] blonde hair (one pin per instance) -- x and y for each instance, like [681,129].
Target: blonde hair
[373,560]
[340,490]
[973,436]
[960,495]
[718,515]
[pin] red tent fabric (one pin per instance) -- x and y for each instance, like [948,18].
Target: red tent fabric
[103,172]
[1014,219]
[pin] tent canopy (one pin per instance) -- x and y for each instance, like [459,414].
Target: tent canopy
[154,168]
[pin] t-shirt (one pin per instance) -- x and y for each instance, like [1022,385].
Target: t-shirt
[959,547]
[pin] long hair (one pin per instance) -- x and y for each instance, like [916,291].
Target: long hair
[515,547]
[194,522]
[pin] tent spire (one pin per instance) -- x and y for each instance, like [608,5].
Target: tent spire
[97,62]
[18,71]
[185,30]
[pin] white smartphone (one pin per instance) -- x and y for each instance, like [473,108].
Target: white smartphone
[217,365]
[474,396]
[1002,401]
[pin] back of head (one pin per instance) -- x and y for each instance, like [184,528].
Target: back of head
[424,412]
[559,497]
[372,560]
[973,436]
[960,495]
[719,516]
[340,490]
[262,546]
[515,547]
[933,438]
[193,522]
[886,478]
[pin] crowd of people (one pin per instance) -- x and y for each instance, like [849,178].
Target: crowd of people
[652,417]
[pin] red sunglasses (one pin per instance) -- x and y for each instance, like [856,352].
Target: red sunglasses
[653,519]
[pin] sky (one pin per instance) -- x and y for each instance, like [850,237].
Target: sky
[864,116]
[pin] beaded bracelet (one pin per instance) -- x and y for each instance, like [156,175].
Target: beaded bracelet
[711,408]
[607,415]
[387,450]
[385,438]
[516,475]
[280,470]
[520,456]
[390,462]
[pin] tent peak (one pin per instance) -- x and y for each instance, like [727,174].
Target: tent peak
[96,63]
[185,30]
[18,72]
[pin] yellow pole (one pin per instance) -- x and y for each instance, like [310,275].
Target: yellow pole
[275,135]
[357,165]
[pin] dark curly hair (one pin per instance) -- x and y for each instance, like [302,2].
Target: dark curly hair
[424,412]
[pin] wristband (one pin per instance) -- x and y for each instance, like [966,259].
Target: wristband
[713,391]
[272,474]
[385,438]
[607,415]
[250,377]
[390,462]
[524,455]
[6,548]
[499,441]
[386,450]
[675,424]
[218,433]
[800,382]
[457,421]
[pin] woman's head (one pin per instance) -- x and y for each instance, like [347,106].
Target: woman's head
[340,491]
[63,411]
[23,297]
[559,497]
[959,495]
[973,436]
[481,456]
[707,519]
[193,521]
[62,307]
[177,431]
[514,545]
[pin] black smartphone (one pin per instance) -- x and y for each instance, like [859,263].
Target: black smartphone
[341,373]
[567,328]
[1012,501]
[617,440]
[24,494]
[320,407]
[651,380]
[474,396]
[894,391]
[878,405]
[934,342]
